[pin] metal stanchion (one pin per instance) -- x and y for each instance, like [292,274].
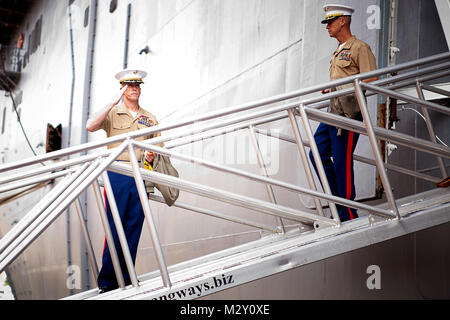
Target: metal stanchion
[374,144]
[87,239]
[305,161]
[430,128]
[120,231]
[108,235]
[263,170]
[318,160]
[148,216]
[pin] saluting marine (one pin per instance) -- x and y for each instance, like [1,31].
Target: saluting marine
[115,119]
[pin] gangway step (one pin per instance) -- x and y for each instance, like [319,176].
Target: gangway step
[276,253]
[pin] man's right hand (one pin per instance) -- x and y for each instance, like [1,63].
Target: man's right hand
[119,95]
[94,123]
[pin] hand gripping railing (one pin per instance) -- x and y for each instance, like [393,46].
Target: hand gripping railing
[82,172]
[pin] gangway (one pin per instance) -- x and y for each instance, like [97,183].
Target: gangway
[317,236]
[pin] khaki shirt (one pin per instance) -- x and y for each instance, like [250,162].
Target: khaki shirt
[355,57]
[120,121]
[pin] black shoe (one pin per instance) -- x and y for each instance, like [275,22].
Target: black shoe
[105,289]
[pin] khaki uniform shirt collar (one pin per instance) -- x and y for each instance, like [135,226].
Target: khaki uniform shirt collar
[347,46]
[122,109]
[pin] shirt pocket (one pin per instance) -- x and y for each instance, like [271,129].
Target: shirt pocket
[118,126]
[342,63]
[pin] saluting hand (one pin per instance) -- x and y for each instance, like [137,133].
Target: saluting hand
[94,122]
[119,95]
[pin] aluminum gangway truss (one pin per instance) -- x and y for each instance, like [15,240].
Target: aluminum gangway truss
[316,236]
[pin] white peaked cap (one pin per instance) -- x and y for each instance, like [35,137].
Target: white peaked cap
[332,11]
[131,76]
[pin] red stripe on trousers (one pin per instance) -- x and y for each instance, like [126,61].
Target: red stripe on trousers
[104,197]
[349,169]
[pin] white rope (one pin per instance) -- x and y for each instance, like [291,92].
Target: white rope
[421,115]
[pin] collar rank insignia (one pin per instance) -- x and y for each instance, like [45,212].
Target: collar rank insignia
[145,121]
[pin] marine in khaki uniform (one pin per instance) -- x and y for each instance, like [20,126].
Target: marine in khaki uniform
[336,146]
[118,118]
[354,57]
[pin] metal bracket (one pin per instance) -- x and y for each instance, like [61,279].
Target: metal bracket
[374,219]
[318,225]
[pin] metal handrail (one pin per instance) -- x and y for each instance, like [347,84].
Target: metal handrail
[384,134]
[216,214]
[254,177]
[222,112]
[79,179]
[359,158]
